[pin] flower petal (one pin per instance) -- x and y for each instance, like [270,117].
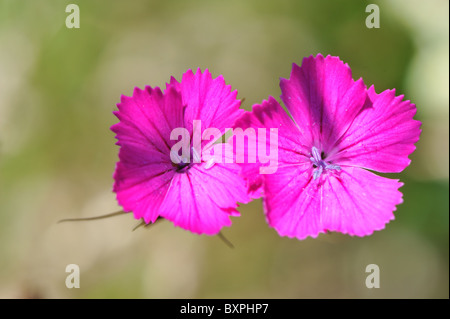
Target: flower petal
[148,117]
[144,171]
[142,190]
[207,99]
[382,137]
[292,202]
[323,99]
[353,201]
[358,202]
[287,150]
[270,114]
[202,200]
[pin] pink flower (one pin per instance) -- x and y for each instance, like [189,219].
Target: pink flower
[193,194]
[339,130]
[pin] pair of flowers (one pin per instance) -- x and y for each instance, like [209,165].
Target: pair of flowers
[336,131]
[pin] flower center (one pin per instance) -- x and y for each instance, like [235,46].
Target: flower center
[184,163]
[319,164]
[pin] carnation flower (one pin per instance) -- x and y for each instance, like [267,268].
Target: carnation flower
[336,132]
[153,179]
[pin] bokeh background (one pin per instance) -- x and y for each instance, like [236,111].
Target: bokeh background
[59,86]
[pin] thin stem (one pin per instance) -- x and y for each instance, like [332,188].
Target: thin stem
[92,218]
[225,240]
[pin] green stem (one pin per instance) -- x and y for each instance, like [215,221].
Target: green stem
[91,218]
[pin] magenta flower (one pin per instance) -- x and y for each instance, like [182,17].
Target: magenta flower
[193,194]
[339,130]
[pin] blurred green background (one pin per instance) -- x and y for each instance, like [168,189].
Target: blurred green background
[59,86]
